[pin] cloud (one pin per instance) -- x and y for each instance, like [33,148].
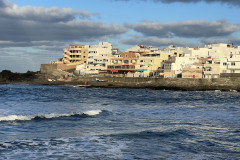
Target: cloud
[189,29]
[53,14]
[234,40]
[157,42]
[230,2]
[21,26]
[44,45]
[73,30]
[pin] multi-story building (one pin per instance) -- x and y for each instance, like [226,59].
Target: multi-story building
[230,64]
[212,58]
[168,66]
[98,59]
[124,65]
[73,56]
[150,63]
[211,68]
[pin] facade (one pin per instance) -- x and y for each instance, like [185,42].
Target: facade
[149,66]
[169,66]
[151,63]
[125,65]
[211,68]
[214,59]
[73,56]
[230,64]
[98,58]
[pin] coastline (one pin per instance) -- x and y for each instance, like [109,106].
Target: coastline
[222,84]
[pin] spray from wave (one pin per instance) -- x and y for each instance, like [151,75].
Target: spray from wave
[47,116]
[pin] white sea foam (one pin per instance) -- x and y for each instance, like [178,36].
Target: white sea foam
[16,117]
[92,112]
[47,116]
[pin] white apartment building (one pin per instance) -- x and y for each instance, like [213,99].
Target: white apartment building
[230,64]
[98,58]
[222,58]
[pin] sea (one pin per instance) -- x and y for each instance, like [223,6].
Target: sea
[78,123]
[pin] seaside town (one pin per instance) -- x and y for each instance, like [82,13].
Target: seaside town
[102,60]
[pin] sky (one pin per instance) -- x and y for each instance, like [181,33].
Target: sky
[34,32]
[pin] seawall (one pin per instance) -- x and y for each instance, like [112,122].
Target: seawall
[224,84]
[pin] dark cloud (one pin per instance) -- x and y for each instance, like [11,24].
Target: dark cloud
[156,42]
[44,45]
[189,29]
[230,2]
[22,25]
[234,40]
[72,30]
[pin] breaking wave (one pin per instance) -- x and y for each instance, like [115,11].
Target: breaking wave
[48,116]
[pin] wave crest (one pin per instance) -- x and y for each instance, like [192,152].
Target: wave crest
[47,116]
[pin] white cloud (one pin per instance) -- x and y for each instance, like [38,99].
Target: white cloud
[53,14]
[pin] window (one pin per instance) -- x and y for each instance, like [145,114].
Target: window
[224,71]
[224,63]
[232,71]
[233,64]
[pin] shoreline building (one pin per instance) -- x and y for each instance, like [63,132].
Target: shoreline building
[97,60]
[124,65]
[210,60]
[151,63]
[73,56]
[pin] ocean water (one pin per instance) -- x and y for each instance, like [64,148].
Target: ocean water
[67,122]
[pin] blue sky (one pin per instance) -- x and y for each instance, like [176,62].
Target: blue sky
[35,32]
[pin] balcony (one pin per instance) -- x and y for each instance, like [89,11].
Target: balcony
[121,67]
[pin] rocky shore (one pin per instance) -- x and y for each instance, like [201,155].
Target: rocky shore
[223,84]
